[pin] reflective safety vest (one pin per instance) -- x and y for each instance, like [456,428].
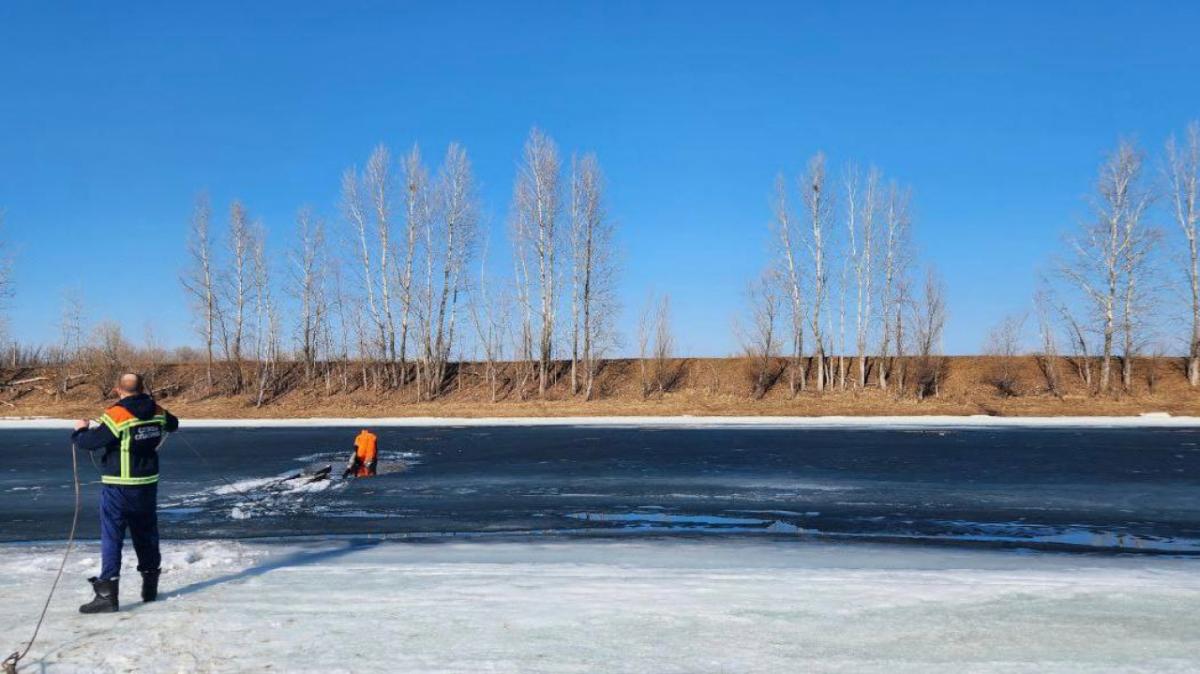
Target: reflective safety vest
[138,441]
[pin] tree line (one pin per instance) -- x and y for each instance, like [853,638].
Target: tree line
[384,292]
[1127,283]
[840,305]
[396,290]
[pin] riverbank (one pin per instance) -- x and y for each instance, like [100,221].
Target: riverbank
[617,606]
[1146,420]
[966,386]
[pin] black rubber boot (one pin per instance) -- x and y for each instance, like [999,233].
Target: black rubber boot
[105,600]
[150,585]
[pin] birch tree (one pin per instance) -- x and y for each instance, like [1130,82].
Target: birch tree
[817,205]
[239,286]
[862,204]
[378,181]
[1104,250]
[266,322]
[521,237]
[1183,183]
[536,201]
[354,212]
[417,217]
[201,283]
[308,287]
[367,207]
[448,247]
[788,241]
[348,324]
[895,261]
[490,315]
[593,273]
[1136,292]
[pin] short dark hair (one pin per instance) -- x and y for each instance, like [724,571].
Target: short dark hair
[131,383]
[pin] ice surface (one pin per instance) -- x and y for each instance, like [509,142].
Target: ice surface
[613,606]
[277,495]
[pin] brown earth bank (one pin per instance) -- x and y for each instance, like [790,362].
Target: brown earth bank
[960,385]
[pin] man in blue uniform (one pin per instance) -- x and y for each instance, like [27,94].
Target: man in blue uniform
[127,436]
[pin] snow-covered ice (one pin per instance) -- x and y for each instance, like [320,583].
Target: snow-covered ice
[613,606]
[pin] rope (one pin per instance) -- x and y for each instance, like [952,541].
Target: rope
[10,663]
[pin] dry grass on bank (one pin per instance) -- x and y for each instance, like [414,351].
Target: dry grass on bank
[699,386]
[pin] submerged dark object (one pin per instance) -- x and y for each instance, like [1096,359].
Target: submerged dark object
[306,476]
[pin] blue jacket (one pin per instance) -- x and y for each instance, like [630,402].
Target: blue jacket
[129,435]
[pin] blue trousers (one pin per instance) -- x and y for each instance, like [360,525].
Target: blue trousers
[133,508]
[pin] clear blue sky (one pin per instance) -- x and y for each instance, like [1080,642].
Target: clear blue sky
[114,115]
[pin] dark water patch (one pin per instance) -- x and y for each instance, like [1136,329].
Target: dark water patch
[1077,489]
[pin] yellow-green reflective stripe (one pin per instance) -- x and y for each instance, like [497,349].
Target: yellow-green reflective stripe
[162,421]
[126,441]
[107,421]
[128,481]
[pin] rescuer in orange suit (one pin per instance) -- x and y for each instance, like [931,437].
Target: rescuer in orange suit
[362,462]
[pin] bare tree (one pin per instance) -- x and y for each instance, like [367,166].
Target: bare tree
[843,286]
[1048,358]
[537,201]
[861,207]
[1004,346]
[1078,337]
[378,182]
[307,287]
[895,264]
[348,320]
[1108,253]
[1137,292]
[785,228]
[71,330]
[110,354]
[151,357]
[645,338]
[760,339]
[593,272]
[354,211]
[448,246]
[818,207]
[1183,182]
[418,215]
[664,346]
[521,238]
[490,315]
[367,208]
[200,281]
[238,286]
[929,321]
[266,321]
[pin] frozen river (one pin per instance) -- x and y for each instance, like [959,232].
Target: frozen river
[1084,489]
